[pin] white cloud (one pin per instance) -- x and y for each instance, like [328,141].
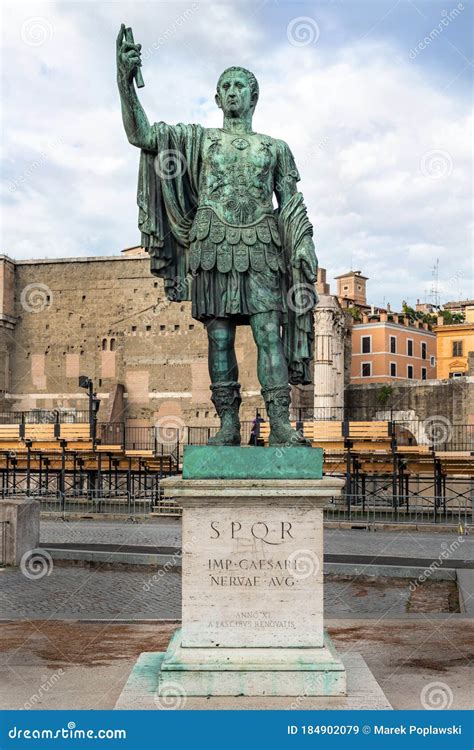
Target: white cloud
[359,120]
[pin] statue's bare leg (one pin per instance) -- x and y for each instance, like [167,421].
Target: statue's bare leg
[273,376]
[224,373]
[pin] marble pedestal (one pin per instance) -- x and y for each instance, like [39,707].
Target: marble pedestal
[252,577]
[20,518]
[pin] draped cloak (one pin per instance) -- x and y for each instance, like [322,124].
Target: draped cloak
[168,197]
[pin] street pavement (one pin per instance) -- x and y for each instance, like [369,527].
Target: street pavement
[81,593]
[166,532]
[55,590]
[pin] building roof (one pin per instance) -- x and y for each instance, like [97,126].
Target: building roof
[461,303]
[351,273]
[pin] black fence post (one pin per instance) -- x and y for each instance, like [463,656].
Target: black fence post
[28,466]
[62,477]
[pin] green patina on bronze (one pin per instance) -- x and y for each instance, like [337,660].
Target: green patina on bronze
[229,462]
[206,217]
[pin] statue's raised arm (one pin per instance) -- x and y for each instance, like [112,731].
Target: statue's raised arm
[135,121]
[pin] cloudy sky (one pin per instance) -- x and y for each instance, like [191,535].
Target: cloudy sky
[373,98]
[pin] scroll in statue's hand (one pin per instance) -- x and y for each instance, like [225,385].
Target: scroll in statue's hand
[128,56]
[305,259]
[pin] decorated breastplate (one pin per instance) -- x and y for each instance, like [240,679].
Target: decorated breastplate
[236,178]
[214,243]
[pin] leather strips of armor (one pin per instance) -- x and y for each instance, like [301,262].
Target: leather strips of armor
[217,244]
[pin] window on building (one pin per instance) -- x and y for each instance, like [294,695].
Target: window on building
[134,328]
[423,350]
[366,369]
[393,344]
[345,288]
[191,326]
[432,360]
[162,328]
[366,345]
[176,328]
[410,347]
[423,373]
[457,348]
[410,372]
[104,345]
[147,328]
[112,345]
[393,369]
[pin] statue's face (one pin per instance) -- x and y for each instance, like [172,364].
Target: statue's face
[234,95]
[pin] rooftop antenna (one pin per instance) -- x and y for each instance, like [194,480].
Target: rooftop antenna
[434,292]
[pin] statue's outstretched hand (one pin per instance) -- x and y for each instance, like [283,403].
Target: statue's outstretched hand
[305,259]
[128,56]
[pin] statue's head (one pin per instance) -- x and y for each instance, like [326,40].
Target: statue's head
[237,92]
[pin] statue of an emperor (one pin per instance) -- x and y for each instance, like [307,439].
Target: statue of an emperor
[207,219]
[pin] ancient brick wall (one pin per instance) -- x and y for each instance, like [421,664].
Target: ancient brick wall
[452,400]
[107,318]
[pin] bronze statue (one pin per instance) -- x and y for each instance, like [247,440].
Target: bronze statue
[206,217]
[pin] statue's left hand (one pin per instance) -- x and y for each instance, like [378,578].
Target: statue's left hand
[305,259]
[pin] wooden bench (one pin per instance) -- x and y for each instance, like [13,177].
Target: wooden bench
[369,431]
[42,433]
[109,448]
[75,432]
[9,432]
[140,454]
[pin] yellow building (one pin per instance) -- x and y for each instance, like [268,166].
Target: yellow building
[454,341]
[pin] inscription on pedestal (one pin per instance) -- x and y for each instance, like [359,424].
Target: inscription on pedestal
[254,578]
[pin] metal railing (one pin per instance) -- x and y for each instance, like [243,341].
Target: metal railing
[369,505]
[98,502]
[199,435]
[45,416]
[402,509]
[437,433]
